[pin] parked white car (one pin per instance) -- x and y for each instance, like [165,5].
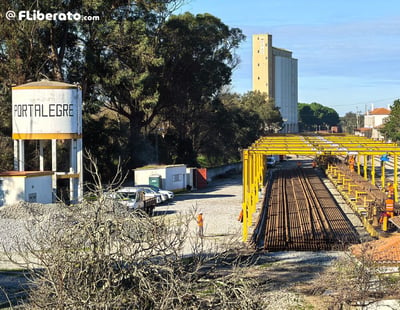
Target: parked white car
[137,198]
[132,198]
[166,195]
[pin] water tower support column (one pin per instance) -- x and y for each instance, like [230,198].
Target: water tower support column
[75,171]
[16,161]
[19,155]
[54,166]
[41,154]
[79,156]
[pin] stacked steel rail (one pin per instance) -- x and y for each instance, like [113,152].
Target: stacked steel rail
[367,200]
[300,214]
[361,149]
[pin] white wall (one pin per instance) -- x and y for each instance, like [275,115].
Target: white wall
[12,189]
[172,177]
[41,187]
[23,188]
[175,178]
[189,176]
[286,91]
[371,121]
[142,175]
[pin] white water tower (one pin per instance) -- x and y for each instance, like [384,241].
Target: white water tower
[52,111]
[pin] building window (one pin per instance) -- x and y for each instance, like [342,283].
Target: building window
[32,197]
[176,178]
[262,45]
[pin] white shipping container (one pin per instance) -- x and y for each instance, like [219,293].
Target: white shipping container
[173,177]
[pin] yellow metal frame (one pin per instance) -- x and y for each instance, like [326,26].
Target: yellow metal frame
[254,165]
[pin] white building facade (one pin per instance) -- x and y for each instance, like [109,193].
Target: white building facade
[374,120]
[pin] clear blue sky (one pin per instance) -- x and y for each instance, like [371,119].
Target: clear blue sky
[348,51]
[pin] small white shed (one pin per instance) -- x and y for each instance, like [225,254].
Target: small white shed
[30,186]
[169,177]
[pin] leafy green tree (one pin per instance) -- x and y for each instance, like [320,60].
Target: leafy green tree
[391,128]
[351,121]
[307,118]
[138,61]
[31,50]
[113,58]
[122,56]
[270,116]
[238,120]
[316,116]
[34,49]
[199,58]
[229,129]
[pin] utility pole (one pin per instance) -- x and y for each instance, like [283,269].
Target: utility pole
[357,118]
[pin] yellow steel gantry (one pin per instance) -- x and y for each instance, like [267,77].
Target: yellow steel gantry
[254,161]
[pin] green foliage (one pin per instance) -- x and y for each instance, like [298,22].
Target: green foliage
[6,155]
[391,128]
[315,116]
[147,66]
[270,116]
[199,58]
[351,121]
[237,121]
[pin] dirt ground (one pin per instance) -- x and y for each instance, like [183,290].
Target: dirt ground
[286,279]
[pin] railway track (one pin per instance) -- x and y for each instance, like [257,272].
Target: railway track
[300,214]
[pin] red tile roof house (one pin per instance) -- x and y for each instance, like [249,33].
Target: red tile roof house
[374,119]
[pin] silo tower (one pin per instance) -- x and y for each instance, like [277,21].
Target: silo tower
[51,113]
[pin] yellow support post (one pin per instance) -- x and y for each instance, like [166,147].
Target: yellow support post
[253,195]
[255,182]
[383,175]
[365,167]
[375,220]
[254,165]
[259,172]
[344,180]
[349,186]
[373,170]
[366,201]
[395,178]
[245,174]
[262,171]
[360,193]
[385,223]
[255,185]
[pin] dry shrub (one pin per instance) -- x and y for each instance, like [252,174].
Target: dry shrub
[357,281]
[98,255]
